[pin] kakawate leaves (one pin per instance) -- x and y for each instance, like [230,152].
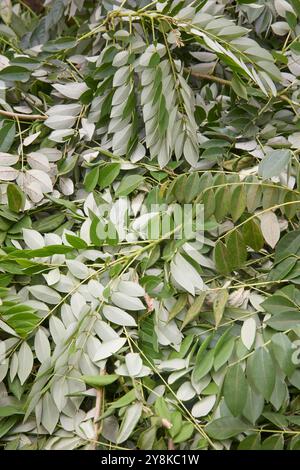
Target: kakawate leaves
[98,381]
[261,372]
[226,427]
[221,258]
[219,305]
[236,249]
[235,389]
[15,197]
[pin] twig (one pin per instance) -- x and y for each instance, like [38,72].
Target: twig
[223,81]
[206,76]
[23,117]
[171,444]
[98,409]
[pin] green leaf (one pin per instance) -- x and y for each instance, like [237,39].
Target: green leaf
[129,184]
[279,303]
[9,410]
[225,428]
[59,44]
[261,372]
[7,136]
[288,245]
[194,309]
[91,179]
[185,433]
[219,305]
[253,236]
[125,400]
[221,257]
[275,442]
[98,381]
[204,363]
[223,351]
[238,87]
[291,210]
[235,389]
[108,174]
[14,73]
[222,201]
[76,242]
[130,420]
[251,442]
[284,321]
[238,202]
[236,249]
[16,197]
[178,306]
[192,187]
[161,408]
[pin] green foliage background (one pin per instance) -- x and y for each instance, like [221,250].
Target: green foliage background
[121,340]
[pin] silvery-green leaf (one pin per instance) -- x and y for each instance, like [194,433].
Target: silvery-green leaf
[25,360]
[61,135]
[172,364]
[125,301]
[78,269]
[57,122]
[186,391]
[38,161]
[45,293]
[108,348]
[52,277]
[64,110]
[41,346]
[133,363]
[120,59]
[270,228]
[248,332]
[41,178]
[118,316]
[191,153]
[104,331]
[131,288]
[185,274]
[274,163]
[121,76]
[8,174]
[131,418]
[71,90]
[13,367]
[50,413]
[33,239]
[59,390]
[57,329]
[7,160]
[204,406]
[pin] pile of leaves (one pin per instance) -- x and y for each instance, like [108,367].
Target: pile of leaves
[110,338]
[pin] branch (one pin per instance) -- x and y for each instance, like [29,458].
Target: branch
[223,81]
[98,409]
[205,76]
[23,117]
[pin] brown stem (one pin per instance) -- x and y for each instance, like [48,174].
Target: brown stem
[223,81]
[98,409]
[23,117]
[171,444]
[205,76]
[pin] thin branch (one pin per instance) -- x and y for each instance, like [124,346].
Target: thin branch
[205,76]
[98,410]
[23,117]
[223,81]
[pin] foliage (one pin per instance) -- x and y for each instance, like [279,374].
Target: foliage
[110,337]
